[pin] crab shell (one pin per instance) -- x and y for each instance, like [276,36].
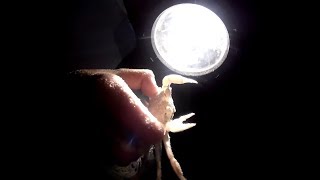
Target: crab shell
[162,106]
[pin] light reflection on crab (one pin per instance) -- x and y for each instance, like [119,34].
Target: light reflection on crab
[162,107]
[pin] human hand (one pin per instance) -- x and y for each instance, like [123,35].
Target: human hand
[106,97]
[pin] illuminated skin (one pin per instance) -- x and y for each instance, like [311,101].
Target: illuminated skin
[129,115]
[162,107]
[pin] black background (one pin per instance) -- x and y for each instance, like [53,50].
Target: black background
[237,131]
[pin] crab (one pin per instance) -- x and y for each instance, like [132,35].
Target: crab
[162,107]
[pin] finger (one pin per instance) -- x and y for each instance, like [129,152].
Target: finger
[137,79]
[128,109]
[140,79]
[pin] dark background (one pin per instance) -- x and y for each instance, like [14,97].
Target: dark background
[234,106]
[249,113]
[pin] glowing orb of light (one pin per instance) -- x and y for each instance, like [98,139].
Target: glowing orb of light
[190,39]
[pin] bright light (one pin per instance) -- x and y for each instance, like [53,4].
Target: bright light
[190,39]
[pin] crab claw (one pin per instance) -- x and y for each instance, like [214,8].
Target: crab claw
[176,79]
[177,125]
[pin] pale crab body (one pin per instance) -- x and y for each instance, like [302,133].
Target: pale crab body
[162,107]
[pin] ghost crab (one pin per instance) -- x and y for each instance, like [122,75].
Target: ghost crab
[162,107]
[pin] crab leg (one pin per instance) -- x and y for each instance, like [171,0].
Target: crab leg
[175,79]
[174,163]
[158,150]
[177,125]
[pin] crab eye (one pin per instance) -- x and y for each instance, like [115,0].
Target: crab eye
[190,39]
